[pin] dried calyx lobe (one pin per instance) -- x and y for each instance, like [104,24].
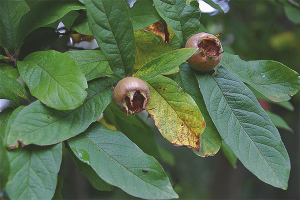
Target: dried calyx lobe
[131,95]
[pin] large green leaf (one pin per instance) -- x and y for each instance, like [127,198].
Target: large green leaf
[112,28]
[9,87]
[210,139]
[39,124]
[119,162]
[54,79]
[33,172]
[134,128]
[245,127]
[93,63]
[11,13]
[164,63]
[182,18]
[143,14]
[175,113]
[273,79]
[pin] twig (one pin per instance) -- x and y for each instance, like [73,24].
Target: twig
[293,3]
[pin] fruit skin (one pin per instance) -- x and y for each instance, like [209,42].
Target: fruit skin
[131,95]
[209,52]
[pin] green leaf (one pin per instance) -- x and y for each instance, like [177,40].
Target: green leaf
[89,173]
[11,13]
[143,14]
[279,121]
[9,87]
[134,128]
[175,113]
[164,63]
[92,63]
[52,126]
[106,19]
[210,139]
[119,162]
[47,12]
[54,79]
[60,182]
[182,18]
[273,79]
[245,127]
[229,154]
[10,71]
[292,13]
[34,172]
[81,25]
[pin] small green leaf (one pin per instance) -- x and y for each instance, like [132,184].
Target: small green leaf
[10,71]
[52,126]
[245,127]
[54,79]
[164,63]
[273,79]
[229,154]
[81,25]
[143,14]
[119,162]
[210,139]
[292,13]
[107,18]
[175,113]
[60,182]
[279,121]
[34,172]
[92,63]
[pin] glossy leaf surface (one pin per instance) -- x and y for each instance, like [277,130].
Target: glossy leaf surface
[119,162]
[175,113]
[54,79]
[245,127]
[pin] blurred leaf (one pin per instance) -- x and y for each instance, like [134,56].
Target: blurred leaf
[54,79]
[210,139]
[52,126]
[273,79]
[89,172]
[175,113]
[166,156]
[111,19]
[134,128]
[229,154]
[182,18]
[245,127]
[164,63]
[81,25]
[143,14]
[285,40]
[279,121]
[59,186]
[9,87]
[34,172]
[11,13]
[119,162]
[91,62]
[292,13]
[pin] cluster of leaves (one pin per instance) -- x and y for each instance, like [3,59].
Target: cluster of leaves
[69,91]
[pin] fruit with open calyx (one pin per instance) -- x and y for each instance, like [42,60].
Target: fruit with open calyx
[209,52]
[131,95]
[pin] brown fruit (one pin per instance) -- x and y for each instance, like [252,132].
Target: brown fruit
[131,95]
[209,52]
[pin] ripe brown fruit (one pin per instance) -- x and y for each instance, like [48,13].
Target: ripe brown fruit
[131,95]
[209,52]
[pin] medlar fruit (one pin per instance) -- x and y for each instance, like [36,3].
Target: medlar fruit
[131,95]
[209,52]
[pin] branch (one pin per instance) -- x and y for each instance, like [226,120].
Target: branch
[293,3]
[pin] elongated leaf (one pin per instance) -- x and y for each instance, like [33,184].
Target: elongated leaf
[92,63]
[34,172]
[39,124]
[9,87]
[210,139]
[164,63]
[279,121]
[182,18]
[119,162]
[175,113]
[11,13]
[60,182]
[54,79]
[106,19]
[273,79]
[245,127]
[143,14]
[229,154]
[134,128]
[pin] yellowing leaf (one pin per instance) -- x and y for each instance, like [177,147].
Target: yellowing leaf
[175,114]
